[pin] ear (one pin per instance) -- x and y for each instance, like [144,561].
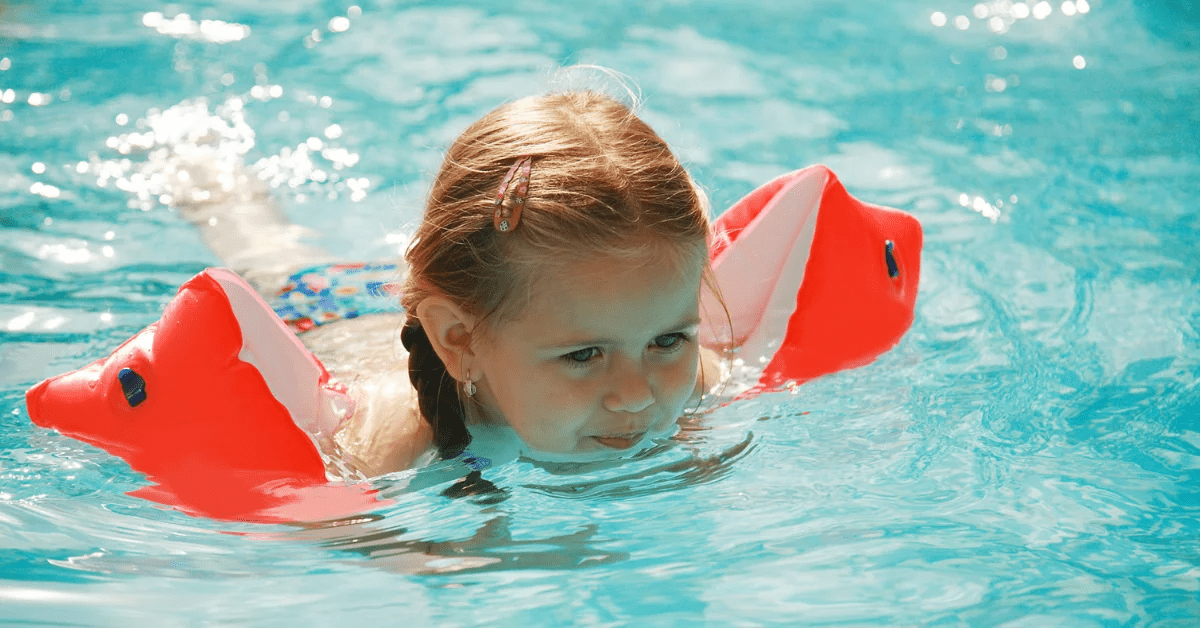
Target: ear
[449,328]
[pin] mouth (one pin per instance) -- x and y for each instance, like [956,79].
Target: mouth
[620,441]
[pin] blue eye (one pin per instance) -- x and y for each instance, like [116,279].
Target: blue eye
[670,341]
[582,357]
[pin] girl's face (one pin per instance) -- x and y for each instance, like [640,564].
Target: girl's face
[604,357]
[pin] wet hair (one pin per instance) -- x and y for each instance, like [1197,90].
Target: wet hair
[603,183]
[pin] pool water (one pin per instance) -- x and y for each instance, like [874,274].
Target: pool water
[1028,455]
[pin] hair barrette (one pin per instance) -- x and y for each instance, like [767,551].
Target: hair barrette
[508,215]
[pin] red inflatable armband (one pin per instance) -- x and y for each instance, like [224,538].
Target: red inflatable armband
[814,280]
[208,403]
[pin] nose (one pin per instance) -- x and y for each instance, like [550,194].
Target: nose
[631,390]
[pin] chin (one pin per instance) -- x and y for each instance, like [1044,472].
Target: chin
[589,449]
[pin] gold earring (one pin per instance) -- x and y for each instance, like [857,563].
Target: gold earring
[469,386]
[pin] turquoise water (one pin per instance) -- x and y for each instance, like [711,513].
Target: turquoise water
[1028,455]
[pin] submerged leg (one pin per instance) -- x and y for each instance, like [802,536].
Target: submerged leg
[240,222]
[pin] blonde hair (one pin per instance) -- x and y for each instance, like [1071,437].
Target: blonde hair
[603,183]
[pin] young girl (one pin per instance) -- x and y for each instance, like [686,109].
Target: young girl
[550,299]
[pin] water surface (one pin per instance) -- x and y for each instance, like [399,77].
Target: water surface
[1028,455]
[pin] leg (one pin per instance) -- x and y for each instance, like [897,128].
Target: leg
[239,221]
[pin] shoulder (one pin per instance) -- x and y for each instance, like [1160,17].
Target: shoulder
[386,432]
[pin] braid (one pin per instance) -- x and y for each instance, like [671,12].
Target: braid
[437,396]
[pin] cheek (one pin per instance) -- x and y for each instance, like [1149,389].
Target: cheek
[555,412]
[538,402]
[681,376]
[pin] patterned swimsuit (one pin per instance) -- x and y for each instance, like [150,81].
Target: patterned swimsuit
[323,294]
